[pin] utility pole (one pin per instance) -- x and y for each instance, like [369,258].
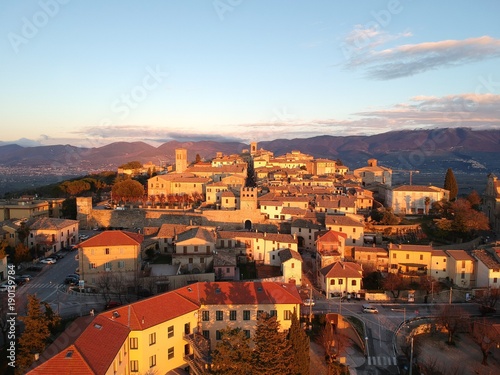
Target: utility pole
[411,356]
[451,293]
[310,304]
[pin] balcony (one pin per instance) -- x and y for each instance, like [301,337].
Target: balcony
[201,359]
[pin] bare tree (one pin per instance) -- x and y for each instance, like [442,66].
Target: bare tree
[486,335]
[453,319]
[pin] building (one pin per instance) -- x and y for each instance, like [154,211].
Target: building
[488,269]
[414,199]
[371,258]
[193,250]
[374,174]
[410,260]
[330,246]
[353,227]
[340,278]
[439,264]
[172,333]
[291,266]
[112,252]
[49,235]
[305,229]
[460,268]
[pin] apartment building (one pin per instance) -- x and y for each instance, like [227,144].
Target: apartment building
[109,252]
[460,268]
[174,331]
[340,278]
[371,258]
[488,269]
[410,259]
[353,227]
[49,235]
[305,229]
[193,250]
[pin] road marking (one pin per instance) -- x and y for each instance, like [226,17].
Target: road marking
[382,361]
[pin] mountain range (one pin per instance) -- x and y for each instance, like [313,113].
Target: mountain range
[466,151]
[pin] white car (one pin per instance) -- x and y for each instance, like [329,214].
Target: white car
[309,302]
[48,261]
[370,309]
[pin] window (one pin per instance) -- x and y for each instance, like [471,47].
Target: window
[134,343]
[107,251]
[394,255]
[353,282]
[494,280]
[273,313]
[463,263]
[287,315]
[421,257]
[462,276]
[170,331]
[121,264]
[259,313]
[196,249]
[107,266]
[341,281]
[92,266]
[293,265]
[232,315]
[217,335]
[152,338]
[170,353]
[206,334]
[407,256]
[247,333]
[134,366]
[219,315]
[205,316]
[332,281]
[152,361]
[190,260]
[246,314]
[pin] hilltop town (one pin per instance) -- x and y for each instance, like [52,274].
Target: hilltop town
[201,246]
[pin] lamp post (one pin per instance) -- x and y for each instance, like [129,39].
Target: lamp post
[310,304]
[411,355]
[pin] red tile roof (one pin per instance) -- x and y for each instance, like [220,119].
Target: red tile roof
[152,311]
[113,238]
[342,269]
[67,362]
[241,293]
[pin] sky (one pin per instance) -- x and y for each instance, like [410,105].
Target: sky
[89,73]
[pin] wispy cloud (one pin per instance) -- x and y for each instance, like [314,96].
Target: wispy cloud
[362,51]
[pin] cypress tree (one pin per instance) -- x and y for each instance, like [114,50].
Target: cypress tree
[450,183]
[272,349]
[299,347]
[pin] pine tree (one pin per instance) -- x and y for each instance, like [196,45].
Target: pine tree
[299,346]
[271,353]
[35,334]
[233,354]
[450,184]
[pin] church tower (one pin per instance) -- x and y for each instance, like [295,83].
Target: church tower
[181,162]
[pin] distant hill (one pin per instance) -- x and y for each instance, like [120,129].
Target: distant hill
[431,152]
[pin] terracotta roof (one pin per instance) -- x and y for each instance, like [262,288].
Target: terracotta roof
[487,259]
[329,236]
[170,230]
[67,362]
[293,211]
[369,249]
[422,188]
[278,237]
[241,292]
[113,238]
[289,254]
[342,269]
[305,223]
[459,255]
[152,311]
[197,232]
[51,223]
[438,253]
[342,220]
[110,334]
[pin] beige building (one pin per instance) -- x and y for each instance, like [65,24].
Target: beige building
[49,235]
[340,278]
[411,260]
[374,174]
[460,268]
[371,258]
[353,227]
[414,199]
[488,269]
[439,264]
[112,252]
[169,333]
[291,266]
[193,250]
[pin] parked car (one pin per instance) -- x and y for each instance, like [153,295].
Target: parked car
[370,309]
[26,278]
[19,280]
[309,302]
[58,256]
[48,261]
[71,279]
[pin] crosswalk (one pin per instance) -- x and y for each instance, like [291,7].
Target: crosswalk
[382,361]
[48,285]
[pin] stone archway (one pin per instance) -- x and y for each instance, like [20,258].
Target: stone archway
[248,224]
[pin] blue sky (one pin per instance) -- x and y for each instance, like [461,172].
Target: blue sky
[89,73]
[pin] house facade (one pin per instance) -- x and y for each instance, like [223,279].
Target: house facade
[49,235]
[340,278]
[460,268]
[414,199]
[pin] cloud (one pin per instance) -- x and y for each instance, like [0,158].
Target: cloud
[360,50]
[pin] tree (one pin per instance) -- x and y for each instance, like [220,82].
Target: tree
[197,159]
[36,332]
[299,345]
[474,199]
[232,355]
[395,283]
[486,337]
[450,184]
[452,319]
[21,254]
[127,190]
[271,350]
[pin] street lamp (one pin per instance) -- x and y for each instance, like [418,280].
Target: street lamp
[411,355]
